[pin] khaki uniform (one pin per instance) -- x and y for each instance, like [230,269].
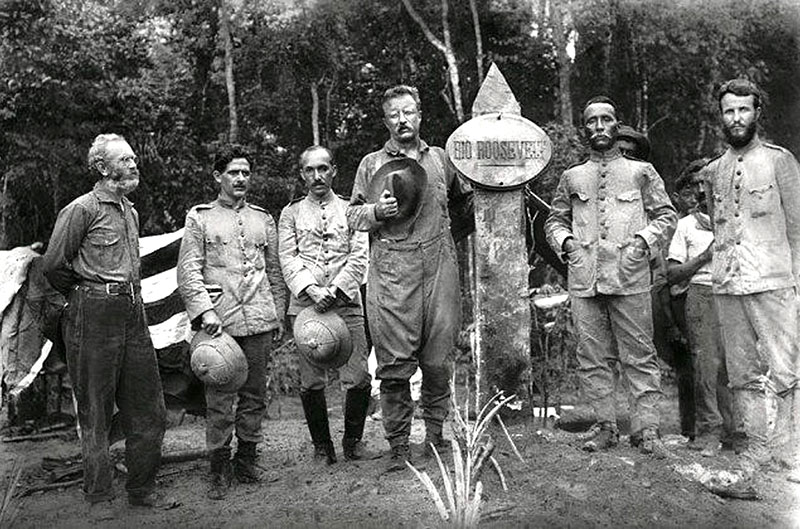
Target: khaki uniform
[318,248]
[236,249]
[603,204]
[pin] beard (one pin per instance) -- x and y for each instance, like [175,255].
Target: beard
[126,181]
[737,140]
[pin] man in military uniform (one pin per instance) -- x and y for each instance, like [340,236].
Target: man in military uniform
[324,263]
[230,280]
[609,215]
[413,300]
[754,197]
[93,259]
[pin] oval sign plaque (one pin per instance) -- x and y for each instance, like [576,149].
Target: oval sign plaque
[499,151]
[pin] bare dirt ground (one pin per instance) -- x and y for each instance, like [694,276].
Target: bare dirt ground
[558,485]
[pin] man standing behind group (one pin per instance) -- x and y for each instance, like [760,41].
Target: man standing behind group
[232,245]
[754,193]
[413,301]
[93,259]
[689,258]
[609,215]
[324,263]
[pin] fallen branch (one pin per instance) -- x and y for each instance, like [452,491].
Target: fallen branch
[50,486]
[36,437]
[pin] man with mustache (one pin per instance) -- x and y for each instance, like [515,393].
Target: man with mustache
[93,259]
[753,190]
[231,246]
[324,263]
[413,298]
[609,215]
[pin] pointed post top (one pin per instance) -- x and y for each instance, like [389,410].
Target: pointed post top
[495,95]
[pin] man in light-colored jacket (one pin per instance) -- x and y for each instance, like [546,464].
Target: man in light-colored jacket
[609,215]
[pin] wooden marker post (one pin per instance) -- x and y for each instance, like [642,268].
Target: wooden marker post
[499,151]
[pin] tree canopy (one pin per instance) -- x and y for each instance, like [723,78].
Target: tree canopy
[155,71]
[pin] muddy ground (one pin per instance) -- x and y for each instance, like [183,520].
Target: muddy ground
[557,485]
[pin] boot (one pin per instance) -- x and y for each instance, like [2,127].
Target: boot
[244,463]
[785,443]
[398,411]
[356,404]
[757,411]
[607,436]
[400,454]
[315,409]
[434,437]
[220,473]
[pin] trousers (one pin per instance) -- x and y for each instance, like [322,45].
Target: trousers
[111,360]
[223,412]
[603,322]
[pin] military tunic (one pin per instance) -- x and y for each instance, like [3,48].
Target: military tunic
[754,195]
[316,247]
[603,204]
[234,247]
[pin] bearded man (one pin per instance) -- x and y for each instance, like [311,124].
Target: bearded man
[93,259]
[609,215]
[753,190]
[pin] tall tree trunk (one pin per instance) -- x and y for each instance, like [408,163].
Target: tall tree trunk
[446,48]
[5,200]
[315,111]
[476,24]
[560,32]
[227,43]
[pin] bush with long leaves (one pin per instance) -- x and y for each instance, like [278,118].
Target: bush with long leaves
[472,447]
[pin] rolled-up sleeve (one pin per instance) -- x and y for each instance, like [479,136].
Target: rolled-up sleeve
[191,260]
[295,273]
[660,211]
[69,231]
[360,215]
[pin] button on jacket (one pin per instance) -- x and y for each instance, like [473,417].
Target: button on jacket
[236,249]
[316,247]
[96,238]
[604,203]
[755,209]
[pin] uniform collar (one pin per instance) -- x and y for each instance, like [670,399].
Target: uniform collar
[755,142]
[605,156]
[230,204]
[392,148]
[324,200]
[104,195]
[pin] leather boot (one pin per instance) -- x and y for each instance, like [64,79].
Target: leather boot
[315,408]
[244,463]
[757,412]
[356,403]
[398,411]
[221,472]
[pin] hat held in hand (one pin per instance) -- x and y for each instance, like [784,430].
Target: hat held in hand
[322,338]
[405,179]
[218,361]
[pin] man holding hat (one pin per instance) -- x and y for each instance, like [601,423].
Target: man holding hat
[401,195]
[609,215]
[324,262]
[230,280]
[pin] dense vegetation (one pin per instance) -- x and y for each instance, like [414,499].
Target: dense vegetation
[164,74]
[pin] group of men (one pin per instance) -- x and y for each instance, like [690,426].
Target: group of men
[739,249]
[241,273]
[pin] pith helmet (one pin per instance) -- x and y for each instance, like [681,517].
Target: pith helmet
[218,361]
[322,338]
[406,180]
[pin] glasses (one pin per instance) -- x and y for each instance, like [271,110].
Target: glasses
[409,114]
[128,158]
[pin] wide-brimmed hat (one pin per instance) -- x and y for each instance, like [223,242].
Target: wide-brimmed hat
[639,139]
[406,180]
[218,361]
[322,338]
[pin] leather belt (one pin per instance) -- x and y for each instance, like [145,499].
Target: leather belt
[112,289]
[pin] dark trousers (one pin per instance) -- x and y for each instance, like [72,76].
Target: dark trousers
[111,360]
[220,415]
